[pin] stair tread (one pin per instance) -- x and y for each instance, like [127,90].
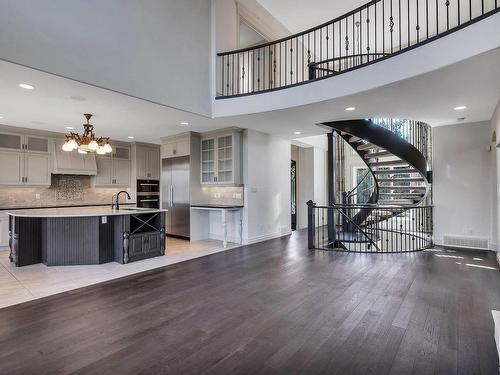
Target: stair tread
[367,146]
[410,179]
[396,171]
[402,187]
[378,154]
[388,163]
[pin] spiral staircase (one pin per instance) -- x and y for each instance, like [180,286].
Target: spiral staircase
[398,214]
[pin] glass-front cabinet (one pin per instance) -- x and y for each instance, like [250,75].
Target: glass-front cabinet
[208,161]
[220,158]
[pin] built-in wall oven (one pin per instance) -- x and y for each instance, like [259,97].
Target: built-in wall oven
[148,193]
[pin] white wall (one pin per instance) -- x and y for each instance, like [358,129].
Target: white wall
[463,173]
[495,127]
[266,165]
[159,50]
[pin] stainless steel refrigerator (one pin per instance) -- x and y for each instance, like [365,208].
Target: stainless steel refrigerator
[175,195]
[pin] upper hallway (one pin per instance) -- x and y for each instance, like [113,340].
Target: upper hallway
[165,52]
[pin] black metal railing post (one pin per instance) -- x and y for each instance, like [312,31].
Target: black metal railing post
[311,225]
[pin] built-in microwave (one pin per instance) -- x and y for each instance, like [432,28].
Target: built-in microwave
[148,186]
[148,201]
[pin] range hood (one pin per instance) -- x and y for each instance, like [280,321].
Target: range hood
[72,162]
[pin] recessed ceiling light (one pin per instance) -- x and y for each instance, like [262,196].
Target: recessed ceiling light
[69,127]
[297,133]
[459,108]
[350,109]
[26,86]
[1,117]
[184,123]
[130,137]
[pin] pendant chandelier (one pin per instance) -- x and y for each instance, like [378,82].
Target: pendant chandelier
[87,142]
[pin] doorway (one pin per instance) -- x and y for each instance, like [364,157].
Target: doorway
[293,180]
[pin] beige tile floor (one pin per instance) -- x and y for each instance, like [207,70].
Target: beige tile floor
[21,284]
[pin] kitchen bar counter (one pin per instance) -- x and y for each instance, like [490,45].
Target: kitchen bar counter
[85,235]
[12,208]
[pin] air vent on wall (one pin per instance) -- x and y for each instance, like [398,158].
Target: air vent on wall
[466,242]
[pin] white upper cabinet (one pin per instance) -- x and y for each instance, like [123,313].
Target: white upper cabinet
[221,158]
[37,169]
[176,146]
[147,162]
[114,169]
[24,159]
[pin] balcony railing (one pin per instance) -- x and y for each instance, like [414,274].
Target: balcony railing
[375,31]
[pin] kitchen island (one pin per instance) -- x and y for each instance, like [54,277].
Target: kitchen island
[85,235]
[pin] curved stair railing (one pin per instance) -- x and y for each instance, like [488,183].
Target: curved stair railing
[398,215]
[375,31]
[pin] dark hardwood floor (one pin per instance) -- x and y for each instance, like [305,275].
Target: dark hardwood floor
[270,308]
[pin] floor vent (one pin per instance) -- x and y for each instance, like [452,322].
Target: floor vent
[466,242]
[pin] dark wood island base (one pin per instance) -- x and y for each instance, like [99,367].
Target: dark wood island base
[63,240]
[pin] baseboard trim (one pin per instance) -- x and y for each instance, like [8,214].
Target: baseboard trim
[220,237]
[436,244]
[266,237]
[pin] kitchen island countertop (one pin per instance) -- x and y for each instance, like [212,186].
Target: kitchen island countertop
[82,211]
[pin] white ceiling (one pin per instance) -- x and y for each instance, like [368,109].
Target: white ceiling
[298,16]
[430,97]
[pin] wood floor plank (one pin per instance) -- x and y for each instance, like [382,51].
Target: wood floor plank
[268,308]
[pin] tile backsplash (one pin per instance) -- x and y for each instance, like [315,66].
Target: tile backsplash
[64,190]
[222,195]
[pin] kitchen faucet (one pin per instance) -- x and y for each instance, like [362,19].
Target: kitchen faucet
[118,199]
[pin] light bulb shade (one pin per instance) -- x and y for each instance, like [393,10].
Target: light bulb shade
[72,143]
[80,151]
[93,146]
[108,148]
[100,150]
[67,147]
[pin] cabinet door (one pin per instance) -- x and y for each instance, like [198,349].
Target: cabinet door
[141,157]
[121,172]
[151,243]
[135,245]
[37,169]
[207,160]
[182,147]
[11,141]
[36,144]
[11,167]
[153,164]
[104,171]
[225,159]
[169,149]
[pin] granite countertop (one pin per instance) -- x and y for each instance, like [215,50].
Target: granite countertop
[216,205]
[82,211]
